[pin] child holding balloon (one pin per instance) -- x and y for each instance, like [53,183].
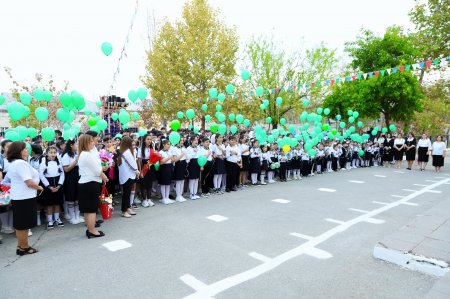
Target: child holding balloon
[255,162]
[165,172]
[193,167]
[205,162]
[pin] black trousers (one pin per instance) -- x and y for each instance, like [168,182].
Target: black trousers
[126,193]
[207,177]
[232,174]
[283,169]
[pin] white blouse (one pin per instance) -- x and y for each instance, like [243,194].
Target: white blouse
[244,147]
[90,167]
[438,148]
[399,141]
[166,154]
[204,152]
[21,171]
[233,157]
[50,170]
[66,160]
[128,168]
[191,153]
[177,151]
[146,155]
[424,143]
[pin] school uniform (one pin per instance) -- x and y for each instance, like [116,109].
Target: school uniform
[150,175]
[398,149]
[51,174]
[423,147]
[180,167]
[410,153]
[166,169]
[71,178]
[219,162]
[206,174]
[437,151]
[127,177]
[193,167]
[255,160]
[284,157]
[232,166]
[245,157]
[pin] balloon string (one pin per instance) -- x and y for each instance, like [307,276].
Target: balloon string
[123,52]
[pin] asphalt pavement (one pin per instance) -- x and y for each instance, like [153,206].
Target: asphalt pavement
[312,238]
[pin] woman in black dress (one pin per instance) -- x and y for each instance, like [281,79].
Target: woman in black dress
[423,151]
[399,144]
[410,150]
[388,145]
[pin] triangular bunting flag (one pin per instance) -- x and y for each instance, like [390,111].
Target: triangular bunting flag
[365,75]
[332,81]
[382,72]
[354,77]
[436,62]
[370,74]
[401,68]
[408,67]
[428,63]
[388,71]
[359,76]
[376,73]
[317,83]
[338,80]
[328,82]
[394,70]
[342,80]
[313,84]
[422,65]
[348,78]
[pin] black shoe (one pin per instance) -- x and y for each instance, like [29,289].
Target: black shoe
[97,225]
[234,189]
[227,190]
[91,235]
[171,196]
[50,225]
[100,221]
[23,251]
[135,206]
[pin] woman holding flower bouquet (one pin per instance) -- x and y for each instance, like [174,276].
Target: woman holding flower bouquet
[147,169]
[24,182]
[128,171]
[90,183]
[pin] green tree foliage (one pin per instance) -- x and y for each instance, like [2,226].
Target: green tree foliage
[396,96]
[435,117]
[432,22]
[196,53]
[271,68]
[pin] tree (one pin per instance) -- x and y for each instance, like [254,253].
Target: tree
[272,68]
[435,118]
[45,84]
[196,53]
[396,96]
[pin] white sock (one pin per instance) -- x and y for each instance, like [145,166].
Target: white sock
[71,210]
[319,168]
[38,218]
[56,216]
[132,197]
[179,188]
[50,218]
[254,178]
[163,191]
[77,211]
[167,191]
[195,186]
[191,187]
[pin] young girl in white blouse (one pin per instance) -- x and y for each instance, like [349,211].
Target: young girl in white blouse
[255,162]
[193,167]
[218,150]
[51,174]
[165,172]
[178,153]
[128,171]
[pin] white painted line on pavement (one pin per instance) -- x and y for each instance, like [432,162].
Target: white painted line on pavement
[420,185]
[326,190]
[279,200]
[116,245]
[374,221]
[410,203]
[398,196]
[356,182]
[380,202]
[439,177]
[334,220]
[302,236]
[226,283]
[217,218]
[379,175]
[396,171]
[358,210]
[431,181]
[259,257]
[318,253]
[410,190]
[193,282]
[434,191]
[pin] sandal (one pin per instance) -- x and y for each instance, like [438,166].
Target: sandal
[23,251]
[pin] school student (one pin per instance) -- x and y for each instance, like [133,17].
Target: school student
[255,162]
[51,174]
[165,172]
[233,164]
[264,163]
[206,170]
[423,151]
[218,150]
[245,158]
[128,171]
[193,167]
[69,162]
[147,170]
[178,153]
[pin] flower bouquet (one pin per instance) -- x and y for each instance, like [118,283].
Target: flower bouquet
[4,195]
[106,157]
[155,157]
[105,204]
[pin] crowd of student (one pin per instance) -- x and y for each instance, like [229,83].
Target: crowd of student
[66,176]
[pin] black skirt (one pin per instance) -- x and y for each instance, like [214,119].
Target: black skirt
[180,170]
[53,198]
[264,165]
[165,174]
[193,169]
[151,173]
[422,154]
[88,196]
[398,155]
[245,163]
[410,154]
[71,185]
[219,166]
[438,160]
[24,213]
[296,163]
[255,165]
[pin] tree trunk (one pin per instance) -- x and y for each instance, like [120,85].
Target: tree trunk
[386,120]
[203,123]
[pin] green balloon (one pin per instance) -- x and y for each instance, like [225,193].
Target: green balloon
[15,110]
[180,114]
[102,124]
[66,126]
[221,97]
[48,95]
[190,113]
[39,94]
[259,91]
[229,89]
[48,134]
[88,112]
[326,111]
[78,101]
[355,114]
[201,160]
[207,118]
[342,124]
[174,138]
[360,124]
[106,48]
[246,122]
[135,115]
[262,107]
[279,101]
[124,117]
[66,100]
[245,75]
[214,128]
[25,98]
[360,153]
[26,111]
[114,116]
[221,117]
[142,93]
[231,117]
[233,129]
[41,113]
[32,132]
[319,110]
[12,135]
[175,124]
[132,96]
[283,121]
[218,107]
[98,103]
[239,119]
[269,120]
[204,107]
[22,132]
[92,122]
[222,129]
[213,93]
[350,112]
[351,119]
[392,128]
[2,100]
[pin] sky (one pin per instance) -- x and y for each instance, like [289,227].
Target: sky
[63,38]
